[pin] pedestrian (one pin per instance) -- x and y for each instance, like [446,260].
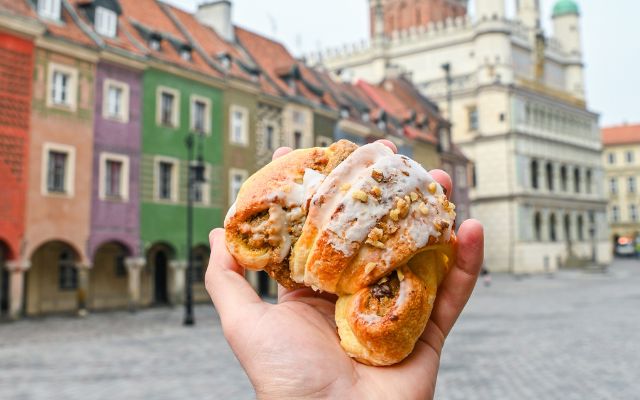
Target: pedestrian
[486,276]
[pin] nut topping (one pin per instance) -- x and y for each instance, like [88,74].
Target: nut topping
[432,187]
[360,195]
[377,175]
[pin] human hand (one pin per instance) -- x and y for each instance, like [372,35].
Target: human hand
[291,349]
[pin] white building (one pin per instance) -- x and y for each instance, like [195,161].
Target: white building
[519,113]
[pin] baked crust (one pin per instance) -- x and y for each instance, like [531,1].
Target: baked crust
[368,225]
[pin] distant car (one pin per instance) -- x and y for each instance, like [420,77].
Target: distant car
[626,249]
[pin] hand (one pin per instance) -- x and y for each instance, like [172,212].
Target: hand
[291,349]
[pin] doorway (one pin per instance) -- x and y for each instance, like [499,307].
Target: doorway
[161,294]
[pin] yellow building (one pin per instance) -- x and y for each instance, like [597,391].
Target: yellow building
[622,167]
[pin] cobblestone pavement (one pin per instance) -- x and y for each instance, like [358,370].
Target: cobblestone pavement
[570,336]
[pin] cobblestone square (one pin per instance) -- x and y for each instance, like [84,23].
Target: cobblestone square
[572,335]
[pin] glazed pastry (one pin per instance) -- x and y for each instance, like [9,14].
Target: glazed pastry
[364,223]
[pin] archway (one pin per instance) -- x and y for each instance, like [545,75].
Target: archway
[108,284]
[4,280]
[158,258]
[52,281]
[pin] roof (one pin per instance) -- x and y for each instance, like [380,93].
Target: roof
[565,7]
[622,134]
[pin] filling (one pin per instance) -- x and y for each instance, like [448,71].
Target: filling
[384,296]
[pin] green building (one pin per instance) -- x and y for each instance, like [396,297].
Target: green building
[173,108]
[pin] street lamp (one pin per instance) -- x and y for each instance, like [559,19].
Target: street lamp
[194,177]
[446,67]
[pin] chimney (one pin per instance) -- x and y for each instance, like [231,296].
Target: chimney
[217,15]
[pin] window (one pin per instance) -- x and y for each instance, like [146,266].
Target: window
[461,176]
[58,169]
[114,177]
[236,178]
[166,179]
[629,157]
[115,100]
[57,172]
[444,139]
[473,118]
[344,112]
[185,54]
[589,181]
[552,228]
[200,115]
[106,22]
[534,174]
[549,176]
[615,214]
[67,273]
[474,177]
[580,228]
[200,189]
[239,132]
[631,184]
[576,180]
[49,9]
[612,158]
[563,178]
[633,212]
[613,185]
[537,226]
[268,137]
[168,107]
[62,88]
[297,139]
[567,227]
[154,43]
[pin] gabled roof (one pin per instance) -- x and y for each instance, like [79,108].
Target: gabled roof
[621,134]
[18,7]
[148,18]
[123,40]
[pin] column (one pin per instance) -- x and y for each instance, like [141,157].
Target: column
[134,267]
[83,288]
[177,289]
[17,269]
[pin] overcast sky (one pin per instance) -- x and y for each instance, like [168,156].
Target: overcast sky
[611,40]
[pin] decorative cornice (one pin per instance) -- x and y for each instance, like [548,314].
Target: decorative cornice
[21,26]
[66,48]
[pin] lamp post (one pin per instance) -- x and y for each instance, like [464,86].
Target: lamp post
[446,67]
[195,176]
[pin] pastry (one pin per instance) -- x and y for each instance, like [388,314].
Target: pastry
[364,223]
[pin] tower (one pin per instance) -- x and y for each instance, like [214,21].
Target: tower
[489,10]
[566,27]
[529,13]
[402,15]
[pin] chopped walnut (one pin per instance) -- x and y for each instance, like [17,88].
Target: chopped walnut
[375,234]
[377,175]
[369,267]
[376,192]
[414,196]
[400,275]
[424,209]
[394,214]
[345,187]
[432,187]
[407,199]
[403,207]
[360,195]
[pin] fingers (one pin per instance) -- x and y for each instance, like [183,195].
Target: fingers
[389,144]
[225,279]
[458,284]
[285,294]
[443,179]
[281,151]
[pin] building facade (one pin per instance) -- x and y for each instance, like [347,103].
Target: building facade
[621,160]
[518,112]
[16,69]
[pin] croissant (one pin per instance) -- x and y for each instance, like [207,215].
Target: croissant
[364,223]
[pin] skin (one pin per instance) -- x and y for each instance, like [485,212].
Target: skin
[291,349]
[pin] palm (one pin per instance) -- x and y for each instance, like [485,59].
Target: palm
[297,341]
